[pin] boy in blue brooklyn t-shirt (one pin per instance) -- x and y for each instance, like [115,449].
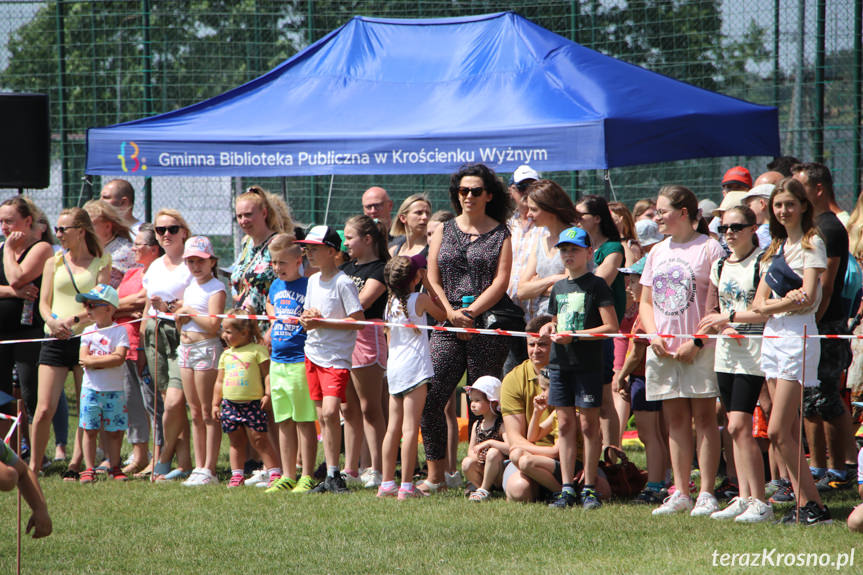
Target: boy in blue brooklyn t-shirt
[580,304]
[293,408]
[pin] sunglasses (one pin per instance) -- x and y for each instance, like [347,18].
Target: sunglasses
[173,230]
[736,228]
[62,229]
[93,305]
[475,192]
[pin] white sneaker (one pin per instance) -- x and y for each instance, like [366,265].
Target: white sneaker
[259,476]
[366,474]
[373,480]
[674,503]
[194,477]
[453,480]
[737,506]
[757,512]
[706,504]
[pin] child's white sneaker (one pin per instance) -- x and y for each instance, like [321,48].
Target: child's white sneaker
[757,512]
[674,503]
[373,479]
[258,477]
[735,507]
[194,477]
[706,504]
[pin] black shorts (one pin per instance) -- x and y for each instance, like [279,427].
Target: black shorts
[638,395]
[574,389]
[607,361]
[739,391]
[61,352]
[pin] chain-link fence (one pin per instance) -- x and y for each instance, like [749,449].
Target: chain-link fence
[107,61]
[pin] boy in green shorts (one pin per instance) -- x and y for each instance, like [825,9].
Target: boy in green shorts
[293,408]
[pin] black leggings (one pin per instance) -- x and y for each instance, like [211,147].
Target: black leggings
[481,355]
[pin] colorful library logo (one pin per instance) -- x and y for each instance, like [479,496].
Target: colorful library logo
[138,163]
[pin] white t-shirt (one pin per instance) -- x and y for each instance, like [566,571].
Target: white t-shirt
[164,283]
[410,358]
[736,292]
[104,342]
[798,259]
[197,297]
[336,298]
[679,277]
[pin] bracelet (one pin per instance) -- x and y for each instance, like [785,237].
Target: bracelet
[731,316]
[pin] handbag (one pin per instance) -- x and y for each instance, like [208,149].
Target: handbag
[505,315]
[780,277]
[624,477]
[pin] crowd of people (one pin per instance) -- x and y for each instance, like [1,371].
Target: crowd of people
[132,311]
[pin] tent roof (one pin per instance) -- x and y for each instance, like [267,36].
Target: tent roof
[425,96]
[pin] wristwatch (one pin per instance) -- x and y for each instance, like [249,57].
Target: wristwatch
[699,343]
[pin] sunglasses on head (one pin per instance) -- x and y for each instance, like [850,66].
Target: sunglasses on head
[736,228]
[173,230]
[475,192]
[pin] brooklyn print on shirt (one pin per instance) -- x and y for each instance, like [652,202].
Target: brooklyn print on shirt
[674,287]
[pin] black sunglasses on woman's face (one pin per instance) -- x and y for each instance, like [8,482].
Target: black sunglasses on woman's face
[475,192]
[173,230]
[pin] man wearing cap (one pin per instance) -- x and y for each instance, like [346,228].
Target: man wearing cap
[525,237]
[756,200]
[823,408]
[736,179]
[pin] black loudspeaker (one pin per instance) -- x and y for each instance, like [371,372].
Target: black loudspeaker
[25,141]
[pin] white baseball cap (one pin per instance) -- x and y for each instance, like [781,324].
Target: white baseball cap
[523,173]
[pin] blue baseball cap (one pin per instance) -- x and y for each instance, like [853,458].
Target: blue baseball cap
[103,293]
[575,236]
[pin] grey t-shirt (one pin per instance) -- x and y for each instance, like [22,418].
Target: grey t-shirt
[576,304]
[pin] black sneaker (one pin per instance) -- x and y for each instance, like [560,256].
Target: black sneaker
[321,487]
[563,499]
[589,499]
[784,494]
[810,514]
[337,484]
[832,482]
[648,497]
[727,490]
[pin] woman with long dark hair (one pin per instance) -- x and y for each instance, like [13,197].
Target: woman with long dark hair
[469,262]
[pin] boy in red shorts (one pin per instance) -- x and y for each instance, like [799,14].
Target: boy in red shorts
[332,295]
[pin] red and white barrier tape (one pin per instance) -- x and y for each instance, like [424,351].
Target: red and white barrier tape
[15,420]
[41,339]
[477,331]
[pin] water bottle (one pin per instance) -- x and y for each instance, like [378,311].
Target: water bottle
[466,300]
[27,312]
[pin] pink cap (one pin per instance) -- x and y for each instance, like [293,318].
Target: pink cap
[200,247]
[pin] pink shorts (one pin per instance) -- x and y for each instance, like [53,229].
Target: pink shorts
[371,348]
[326,381]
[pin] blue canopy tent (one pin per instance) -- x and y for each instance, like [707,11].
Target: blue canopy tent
[384,96]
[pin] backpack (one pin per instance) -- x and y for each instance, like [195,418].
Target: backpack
[756,271]
[852,291]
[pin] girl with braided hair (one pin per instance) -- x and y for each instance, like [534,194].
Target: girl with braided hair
[409,370]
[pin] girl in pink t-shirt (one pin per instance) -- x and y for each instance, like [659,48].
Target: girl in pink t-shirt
[679,370]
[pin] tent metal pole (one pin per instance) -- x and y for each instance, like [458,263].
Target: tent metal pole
[329,197]
[609,187]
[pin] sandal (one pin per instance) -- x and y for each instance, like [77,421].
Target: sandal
[426,487]
[479,495]
[87,476]
[71,475]
[134,467]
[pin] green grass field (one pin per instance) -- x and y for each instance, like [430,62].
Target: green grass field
[140,527]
